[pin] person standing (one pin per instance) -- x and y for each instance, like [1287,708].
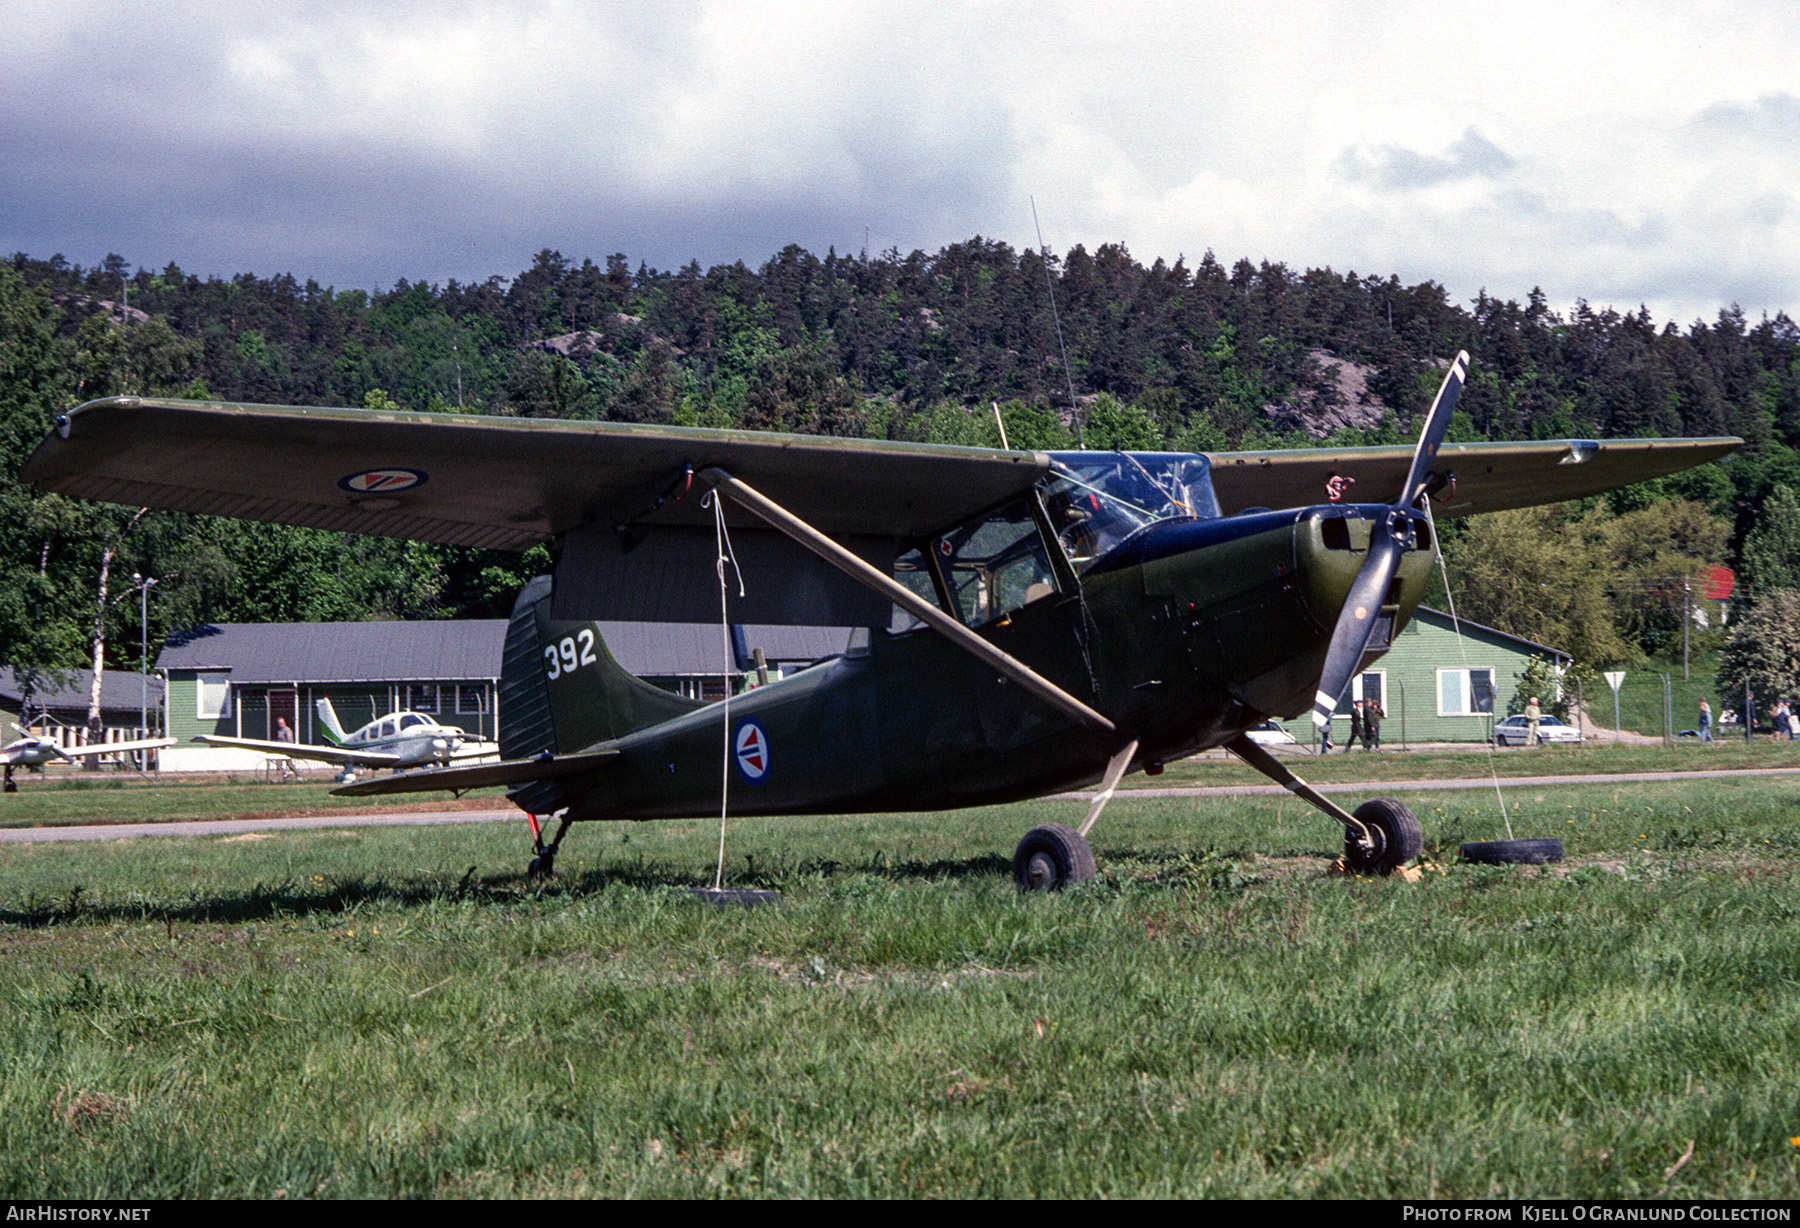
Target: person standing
[1705,721]
[1372,714]
[1356,725]
[1532,715]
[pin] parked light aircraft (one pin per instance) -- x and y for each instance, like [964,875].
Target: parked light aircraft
[33,752]
[398,740]
[1062,618]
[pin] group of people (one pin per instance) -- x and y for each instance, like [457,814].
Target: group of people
[1787,721]
[1784,720]
[1365,727]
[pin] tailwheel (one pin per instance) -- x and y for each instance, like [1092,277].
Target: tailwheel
[543,864]
[1052,857]
[1393,840]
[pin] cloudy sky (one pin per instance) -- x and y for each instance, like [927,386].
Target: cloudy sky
[1643,152]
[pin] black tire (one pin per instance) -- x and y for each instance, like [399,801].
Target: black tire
[542,866]
[1513,852]
[1395,831]
[1052,857]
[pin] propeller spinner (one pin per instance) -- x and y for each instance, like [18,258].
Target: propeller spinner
[1389,538]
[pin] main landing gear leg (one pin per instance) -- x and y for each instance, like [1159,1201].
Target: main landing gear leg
[1053,856]
[1379,838]
[543,865]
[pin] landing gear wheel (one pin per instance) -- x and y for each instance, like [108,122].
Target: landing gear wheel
[543,865]
[1395,834]
[1513,852]
[1052,857]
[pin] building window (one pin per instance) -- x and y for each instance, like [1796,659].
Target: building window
[1370,685]
[213,695]
[471,698]
[422,698]
[1465,692]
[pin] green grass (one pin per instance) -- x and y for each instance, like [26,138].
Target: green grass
[55,802]
[396,1012]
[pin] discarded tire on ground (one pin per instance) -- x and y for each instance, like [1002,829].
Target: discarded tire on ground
[1512,852]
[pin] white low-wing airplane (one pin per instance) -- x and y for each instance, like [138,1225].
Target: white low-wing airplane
[398,740]
[33,752]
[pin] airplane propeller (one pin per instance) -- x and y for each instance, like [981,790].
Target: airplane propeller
[1388,538]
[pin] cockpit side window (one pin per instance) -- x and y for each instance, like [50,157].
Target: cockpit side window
[996,564]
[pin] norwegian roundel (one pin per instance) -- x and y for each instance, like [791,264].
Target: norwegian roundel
[752,751]
[382,481]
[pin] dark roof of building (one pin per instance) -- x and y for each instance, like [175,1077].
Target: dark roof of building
[444,651]
[663,650]
[465,651]
[119,691]
[1445,620]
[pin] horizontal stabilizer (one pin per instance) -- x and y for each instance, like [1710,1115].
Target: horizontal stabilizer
[455,780]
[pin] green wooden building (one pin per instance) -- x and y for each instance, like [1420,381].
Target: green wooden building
[1437,688]
[237,679]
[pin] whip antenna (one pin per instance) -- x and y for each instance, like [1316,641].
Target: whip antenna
[1044,254]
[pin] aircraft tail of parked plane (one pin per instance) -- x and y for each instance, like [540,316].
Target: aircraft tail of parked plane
[561,690]
[334,732]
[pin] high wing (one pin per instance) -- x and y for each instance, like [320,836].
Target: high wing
[306,750]
[1489,477]
[509,482]
[502,483]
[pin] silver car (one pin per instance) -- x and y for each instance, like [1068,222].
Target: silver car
[1515,730]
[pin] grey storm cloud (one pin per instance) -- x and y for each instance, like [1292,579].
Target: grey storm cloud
[1395,168]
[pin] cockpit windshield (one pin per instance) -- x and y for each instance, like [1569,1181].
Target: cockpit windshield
[1098,499]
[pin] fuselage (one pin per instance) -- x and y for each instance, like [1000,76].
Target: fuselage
[30,752]
[415,738]
[1184,633]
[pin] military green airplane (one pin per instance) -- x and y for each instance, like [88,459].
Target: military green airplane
[1033,622]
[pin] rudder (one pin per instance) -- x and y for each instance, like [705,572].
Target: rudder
[562,692]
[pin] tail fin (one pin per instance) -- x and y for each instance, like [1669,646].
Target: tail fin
[562,692]
[334,732]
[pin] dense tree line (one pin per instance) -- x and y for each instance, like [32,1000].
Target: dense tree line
[910,346]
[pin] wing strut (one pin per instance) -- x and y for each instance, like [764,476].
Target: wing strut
[1275,770]
[905,598]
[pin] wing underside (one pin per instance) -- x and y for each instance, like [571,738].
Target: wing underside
[501,483]
[1488,477]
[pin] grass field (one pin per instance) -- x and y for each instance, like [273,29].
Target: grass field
[396,1012]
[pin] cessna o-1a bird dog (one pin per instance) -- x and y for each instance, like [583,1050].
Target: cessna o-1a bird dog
[398,740]
[1035,622]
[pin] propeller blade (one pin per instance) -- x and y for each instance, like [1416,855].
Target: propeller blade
[1362,610]
[1436,422]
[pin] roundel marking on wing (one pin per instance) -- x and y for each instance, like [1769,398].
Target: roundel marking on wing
[382,481]
[752,747]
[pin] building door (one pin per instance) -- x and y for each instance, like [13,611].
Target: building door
[282,706]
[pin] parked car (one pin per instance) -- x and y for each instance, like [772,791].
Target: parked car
[1513,731]
[1269,734]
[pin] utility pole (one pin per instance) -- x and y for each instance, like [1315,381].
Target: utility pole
[1687,620]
